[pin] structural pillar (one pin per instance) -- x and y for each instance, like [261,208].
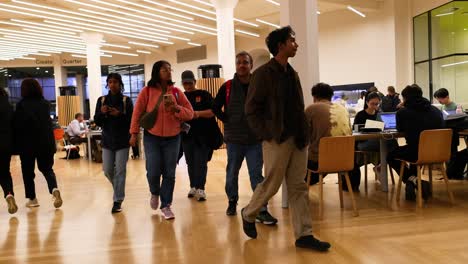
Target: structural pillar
[226,44]
[60,78]
[81,91]
[93,58]
[302,16]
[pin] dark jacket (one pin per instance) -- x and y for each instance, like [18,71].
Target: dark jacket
[6,116]
[390,103]
[32,127]
[115,129]
[265,105]
[417,115]
[236,127]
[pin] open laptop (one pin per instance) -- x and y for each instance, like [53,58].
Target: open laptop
[389,119]
[452,115]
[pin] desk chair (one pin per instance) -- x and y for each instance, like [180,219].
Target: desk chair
[330,162]
[434,148]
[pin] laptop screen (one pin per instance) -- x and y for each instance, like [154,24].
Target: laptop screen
[389,120]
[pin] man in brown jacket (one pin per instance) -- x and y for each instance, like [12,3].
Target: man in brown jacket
[275,112]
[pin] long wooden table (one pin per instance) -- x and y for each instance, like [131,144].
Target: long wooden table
[382,137]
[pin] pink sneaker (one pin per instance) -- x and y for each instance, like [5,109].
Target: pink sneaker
[167,213]
[154,202]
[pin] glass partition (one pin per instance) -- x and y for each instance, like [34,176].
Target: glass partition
[441,50]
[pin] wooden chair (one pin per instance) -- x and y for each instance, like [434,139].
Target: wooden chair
[336,155]
[365,156]
[434,148]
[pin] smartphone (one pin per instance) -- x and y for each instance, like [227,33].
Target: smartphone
[167,98]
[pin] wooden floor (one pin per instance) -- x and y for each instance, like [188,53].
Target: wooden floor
[84,231]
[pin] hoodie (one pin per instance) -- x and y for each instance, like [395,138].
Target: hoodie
[417,115]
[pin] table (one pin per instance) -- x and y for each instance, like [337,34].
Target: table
[89,135]
[382,137]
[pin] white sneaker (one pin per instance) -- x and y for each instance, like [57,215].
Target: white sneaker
[12,207]
[57,198]
[32,203]
[200,195]
[192,193]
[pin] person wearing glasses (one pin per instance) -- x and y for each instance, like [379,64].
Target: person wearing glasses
[162,133]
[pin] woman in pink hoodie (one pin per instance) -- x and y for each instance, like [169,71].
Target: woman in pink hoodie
[162,141]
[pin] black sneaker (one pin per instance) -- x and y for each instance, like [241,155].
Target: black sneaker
[117,208]
[426,190]
[249,228]
[232,208]
[410,194]
[266,218]
[311,242]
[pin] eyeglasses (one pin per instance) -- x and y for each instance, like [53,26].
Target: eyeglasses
[375,104]
[166,70]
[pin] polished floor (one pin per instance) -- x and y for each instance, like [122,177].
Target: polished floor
[84,231]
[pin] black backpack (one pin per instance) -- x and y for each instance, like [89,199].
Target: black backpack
[456,165]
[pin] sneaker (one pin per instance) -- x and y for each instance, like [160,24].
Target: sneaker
[249,228]
[154,202]
[200,195]
[117,207]
[311,242]
[410,194]
[426,190]
[167,213]
[232,208]
[192,193]
[12,207]
[32,203]
[57,198]
[266,218]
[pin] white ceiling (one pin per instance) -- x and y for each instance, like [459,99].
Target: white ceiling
[129,27]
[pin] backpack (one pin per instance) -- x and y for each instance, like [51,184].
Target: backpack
[456,165]
[387,104]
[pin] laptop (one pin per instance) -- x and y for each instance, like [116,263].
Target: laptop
[452,115]
[389,119]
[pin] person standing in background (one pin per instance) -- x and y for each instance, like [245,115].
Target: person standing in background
[113,115]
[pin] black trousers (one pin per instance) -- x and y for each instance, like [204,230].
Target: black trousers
[404,153]
[78,140]
[45,162]
[5,175]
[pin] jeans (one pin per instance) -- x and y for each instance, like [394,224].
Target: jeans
[5,175]
[161,159]
[196,156]
[114,164]
[45,162]
[236,154]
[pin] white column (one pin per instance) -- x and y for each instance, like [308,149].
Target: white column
[80,90]
[301,15]
[149,61]
[93,59]
[226,44]
[60,78]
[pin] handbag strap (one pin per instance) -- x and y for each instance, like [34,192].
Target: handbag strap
[156,108]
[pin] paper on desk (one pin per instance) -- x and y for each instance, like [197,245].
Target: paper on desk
[374,124]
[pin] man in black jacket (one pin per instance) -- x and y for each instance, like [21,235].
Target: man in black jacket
[241,142]
[417,115]
[6,115]
[391,101]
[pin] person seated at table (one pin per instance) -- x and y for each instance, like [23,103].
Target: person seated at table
[373,101]
[417,115]
[325,119]
[76,130]
[442,95]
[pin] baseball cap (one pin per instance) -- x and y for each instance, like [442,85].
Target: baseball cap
[188,76]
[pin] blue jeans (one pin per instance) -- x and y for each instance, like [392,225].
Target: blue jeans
[236,154]
[196,156]
[114,164]
[161,159]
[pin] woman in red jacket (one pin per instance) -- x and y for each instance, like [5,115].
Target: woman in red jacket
[162,140]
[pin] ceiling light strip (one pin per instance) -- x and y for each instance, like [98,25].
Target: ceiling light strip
[356,11]
[267,23]
[248,33]
[154,9]
[273,2]
[143,44]
[180,10]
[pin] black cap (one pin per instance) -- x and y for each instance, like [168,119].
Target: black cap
[188,76]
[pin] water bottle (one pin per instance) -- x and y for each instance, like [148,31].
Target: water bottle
[459,109]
